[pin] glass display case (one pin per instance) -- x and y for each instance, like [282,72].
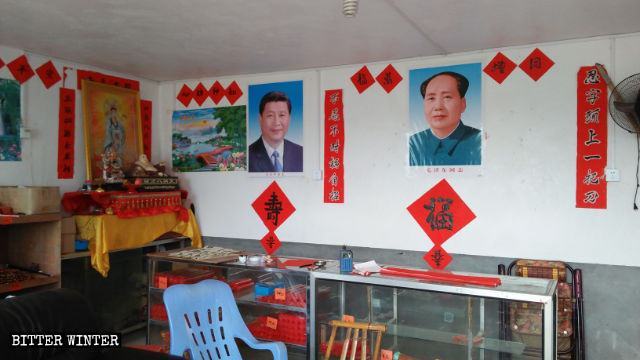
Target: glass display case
[430,320]
[271,297]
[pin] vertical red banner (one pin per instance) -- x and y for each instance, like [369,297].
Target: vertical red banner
[333,147]
[66,133]
[145,117]
[591,186]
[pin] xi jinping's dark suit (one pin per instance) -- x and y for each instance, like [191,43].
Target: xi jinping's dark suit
[259,160]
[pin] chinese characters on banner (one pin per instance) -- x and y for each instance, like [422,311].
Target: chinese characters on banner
[441,213]
[273,207]
[536,64]
[21,69]
[200,94]
[145,117]
[185,95]
[389,78]
[233,92]
[362,79]
[591,187]
[499,68]
[216,92]
[66,133]
[48,74]
[333,147]
[106,79]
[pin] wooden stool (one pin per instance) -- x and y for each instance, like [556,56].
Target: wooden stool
[380,329]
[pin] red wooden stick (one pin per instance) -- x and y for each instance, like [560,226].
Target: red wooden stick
[441,276]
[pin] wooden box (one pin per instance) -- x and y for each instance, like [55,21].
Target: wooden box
[31,199]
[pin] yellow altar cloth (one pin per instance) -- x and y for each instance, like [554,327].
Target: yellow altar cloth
[109,232]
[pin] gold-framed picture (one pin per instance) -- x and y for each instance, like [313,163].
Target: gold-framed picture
[112,130]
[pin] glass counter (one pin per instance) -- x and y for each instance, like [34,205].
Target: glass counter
[263,293]
[429,320]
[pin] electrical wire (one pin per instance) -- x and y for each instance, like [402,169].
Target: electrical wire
[635,196]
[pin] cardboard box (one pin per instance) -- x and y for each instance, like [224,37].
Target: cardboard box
[68,225]
[68,244]
[31,199]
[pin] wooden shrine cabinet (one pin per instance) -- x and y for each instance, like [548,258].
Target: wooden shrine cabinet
[29,253]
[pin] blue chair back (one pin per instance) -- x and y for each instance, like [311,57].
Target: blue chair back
[204,319]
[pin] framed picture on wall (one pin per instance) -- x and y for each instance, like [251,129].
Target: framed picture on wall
[445,115]
[112,130]
[275,128]
[10,149]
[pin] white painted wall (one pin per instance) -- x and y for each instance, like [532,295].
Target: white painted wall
[40,108]
[524,196]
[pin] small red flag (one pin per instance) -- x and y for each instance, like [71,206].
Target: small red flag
[185,95]
[48,74]
[233,92]
[20,69]
[389,78]
[362,79]
[499,68]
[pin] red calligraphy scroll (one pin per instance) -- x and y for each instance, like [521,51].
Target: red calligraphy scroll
[591,186]
[66,133]
[106,79]
[145,117]
[333,147]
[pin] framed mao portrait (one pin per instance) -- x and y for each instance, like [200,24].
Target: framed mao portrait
[112,129]
[445,115]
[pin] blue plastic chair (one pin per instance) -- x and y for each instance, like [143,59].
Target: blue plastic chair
[204,319]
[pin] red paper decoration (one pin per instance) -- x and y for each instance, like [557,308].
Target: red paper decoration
[437,258]
[233,92]
[270,242]
[333,147]
[591,156]
[440,212]
[388,78]
[66,133]
[273,207]
[48,74]
[536,64]
[1,64]
[200,94]
[20,69]
[146,110]
[362,79]
[499,68]
[216,92]
[185,95]
[106,79]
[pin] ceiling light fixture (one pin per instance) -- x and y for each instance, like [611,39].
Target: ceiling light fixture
[349,8]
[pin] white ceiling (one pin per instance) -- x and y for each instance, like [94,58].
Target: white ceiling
[183,39]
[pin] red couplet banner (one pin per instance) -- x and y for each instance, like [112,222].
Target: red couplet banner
[333,147]
[66,133]
[591,186]
[145,117]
